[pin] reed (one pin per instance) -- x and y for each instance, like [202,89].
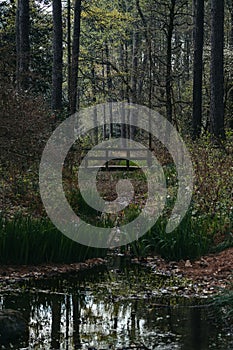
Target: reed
[194,237]
[25,240]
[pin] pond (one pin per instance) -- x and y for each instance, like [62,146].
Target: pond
[124,306]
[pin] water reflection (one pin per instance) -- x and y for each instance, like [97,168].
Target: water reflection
[72,313]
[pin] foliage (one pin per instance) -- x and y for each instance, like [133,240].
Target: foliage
[123,56]
[24,129]
[193,238]
[206,227]
[213,182]
[189,240]
[41,50]
[208,224]
[40,45]
[34,241]
[113,25]
[81,208]
[222,304]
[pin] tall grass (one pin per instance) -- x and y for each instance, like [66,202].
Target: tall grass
[194,237]
[26,240]
[189,240]
[34,241]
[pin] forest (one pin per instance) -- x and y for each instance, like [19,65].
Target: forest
[173,57]
[61,57]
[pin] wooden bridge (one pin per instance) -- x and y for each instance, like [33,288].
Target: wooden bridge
[117,158]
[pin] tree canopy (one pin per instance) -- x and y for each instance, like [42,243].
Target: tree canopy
[164,54]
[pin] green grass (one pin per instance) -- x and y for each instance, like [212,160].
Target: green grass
[194,237]
[188,241]
[24,240]
[34,241]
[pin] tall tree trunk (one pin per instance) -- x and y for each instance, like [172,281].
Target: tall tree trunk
[134,75]
[22,44]
[127,92]
[149,50]
[230,5]
[187,56]
[149,54]
[94,85]
[56,102]
[216,70]
[108,72]
[69,46]
[104,93]
[123,93]
[75,58]
[17,44]
[169,61]
[198,36]
[109,85]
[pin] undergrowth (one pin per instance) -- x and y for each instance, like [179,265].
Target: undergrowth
[207,226]
[193,238]
[222,307]
[24,240]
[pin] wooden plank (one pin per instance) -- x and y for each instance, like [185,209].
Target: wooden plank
[117,154]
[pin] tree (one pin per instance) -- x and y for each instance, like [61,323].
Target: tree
[75,57]
[7,42]
[170,29]
[41,44]
[56,100]
[217,70]
[230,6]
[230,87]
[69,45]
[198,36]
[138,50]
[22,44]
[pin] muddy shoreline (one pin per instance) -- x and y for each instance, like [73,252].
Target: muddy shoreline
[212,273]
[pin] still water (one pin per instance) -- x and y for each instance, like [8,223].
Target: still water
[119,307]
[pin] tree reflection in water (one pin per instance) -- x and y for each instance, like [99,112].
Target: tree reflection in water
[69,314]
